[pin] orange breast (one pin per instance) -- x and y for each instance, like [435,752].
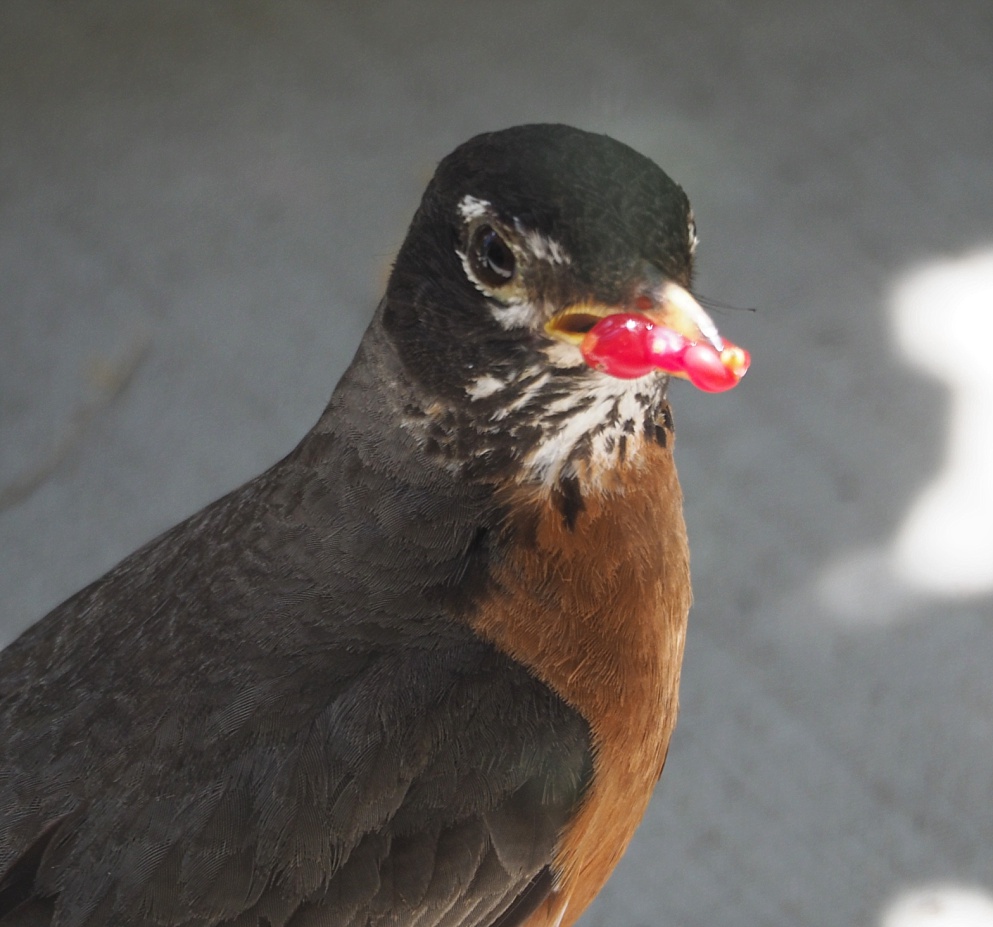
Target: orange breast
[599,613]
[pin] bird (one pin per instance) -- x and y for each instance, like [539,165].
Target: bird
[424,670]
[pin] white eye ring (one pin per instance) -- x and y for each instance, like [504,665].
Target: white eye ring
[490,258]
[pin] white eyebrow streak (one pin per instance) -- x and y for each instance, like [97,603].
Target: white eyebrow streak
[470,207]
[543,247]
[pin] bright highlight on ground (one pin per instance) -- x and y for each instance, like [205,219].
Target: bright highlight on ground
[940,906]
[943,322]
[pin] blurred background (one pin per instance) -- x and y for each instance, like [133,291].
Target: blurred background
[198,207]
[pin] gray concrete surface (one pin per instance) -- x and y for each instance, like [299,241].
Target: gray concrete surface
[198,204]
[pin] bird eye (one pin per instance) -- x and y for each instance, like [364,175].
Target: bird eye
[490,258]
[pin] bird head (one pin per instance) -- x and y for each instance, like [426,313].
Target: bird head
[542,295]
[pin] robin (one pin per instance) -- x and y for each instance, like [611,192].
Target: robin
[423,671]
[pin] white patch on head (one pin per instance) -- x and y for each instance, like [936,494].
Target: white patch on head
[470,207]
[484,386]
[693,237]
[515,314]
[543,247]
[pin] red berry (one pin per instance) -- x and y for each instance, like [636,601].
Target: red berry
[628,345]
[667,349]
[620,345]
[706,369]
